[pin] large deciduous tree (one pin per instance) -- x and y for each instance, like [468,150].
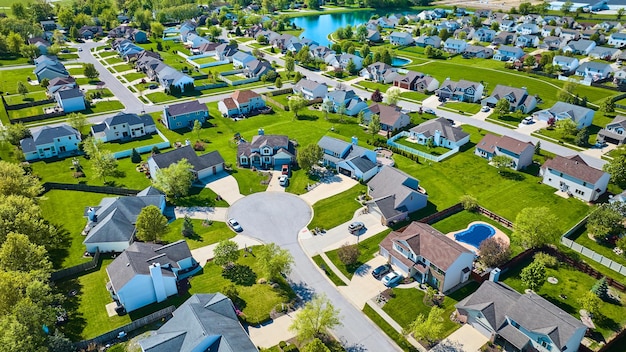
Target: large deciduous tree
[151,224]
[176,179]
[90,71]
[274,260]
[503,106]
[616,167]
[428,328]
[392,95]
[15,181]
[606,220]
[309,156]
[315,319]
[296,103]
[18,253]
[19,214]
[535,227]
[78,121]
[534,275]
[494,251]
[225,253]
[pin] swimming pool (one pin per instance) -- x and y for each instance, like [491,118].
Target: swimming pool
[475,234]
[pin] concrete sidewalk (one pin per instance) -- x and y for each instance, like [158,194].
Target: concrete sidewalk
[270,334]
[204,254]
[202,213]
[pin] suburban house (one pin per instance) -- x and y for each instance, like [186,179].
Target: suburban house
[387,22]
[283,41]
[604,53]
[566,63]
[395,194]
[561,110]
[580,46]
[508,25]
[379,72]
[147,273]
[60,82]
[527,41]
[465,91]
[241,59]
[352,103]
[348,158]
[320,52]
[111,225]
[548,30]
[183,115]
[569,35]
[224,52]
[526,322]
[194,40]
[400,38]
[484,35]
[520,153]
[41,44]
[204,322]
[617,39]
[48,25]
[127,49]
[123,126]
[257,68]
[416,81]
[203,166]
[89,32]
[49,67]
[391,117]
[70,99]
[572,175]
[504,38]
[552,43]
[614,132]
[478,51]
[427,255]
[241,102]
[266,152]
[454,46]
[527,28]
[168,76]
[518,98]
[48,142]
[373,35]
[310,89]
[426,40]
[593,70]
[341,61]
[441,132]
[505,53]
[128,32]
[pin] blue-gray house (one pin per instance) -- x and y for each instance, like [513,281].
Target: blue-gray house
[348,158]
[185,114]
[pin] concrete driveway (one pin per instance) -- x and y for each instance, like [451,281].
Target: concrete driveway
[202,213]
[204,254]
[225,186]
[528,129]
[270,334]
[274,185]
[329,188]
[465,339]
[363,285]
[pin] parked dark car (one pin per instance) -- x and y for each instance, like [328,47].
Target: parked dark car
[381,271]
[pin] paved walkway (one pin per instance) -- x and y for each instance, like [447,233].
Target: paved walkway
[270,334]
[202,213]
[329,188]
[204,254]
[363,286]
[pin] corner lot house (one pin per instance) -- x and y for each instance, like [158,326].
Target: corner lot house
[391,117]
[465,91]
[614,132]
[348,158]
[441,132]
[527,322]
[241,102]
[573,176]
[266,152]
[182,115]
[111,224]
[48,142]
[395,194]
[561,110]
[205,322]
[148,273]
[203,166]
[518,98]
[310,89]
[429,256]
[521,153]
[123,126]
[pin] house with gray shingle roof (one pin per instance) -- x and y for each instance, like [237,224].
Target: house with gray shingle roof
[441,132]
[48,142]
[422,252]
[518,98]
[604,53]
[614,132]
[527,322]
[617,39]
[520,153]
[566,63]
[583,117]
[203,165]
[379,72]
[454,46]
[49,67]
[400,38]
[426,40]
[572,175]
[348,98]
[123,126]
[270,151]
[147,273]
[348,158]
[395,194]
[465,91]
[184,115]
[580,47]
[504,53]
[205,322]
[111,225]
[70,99]
[310,89]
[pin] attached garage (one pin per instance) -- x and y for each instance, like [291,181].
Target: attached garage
[345,172]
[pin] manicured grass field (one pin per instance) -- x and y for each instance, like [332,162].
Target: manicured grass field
[204,60]
[204,235]
[113,60]
[333,211]
[20,99]
[105,106]
[106,54]
[76,71]
[465,107]
[414,95]
[11,60]
[123,68]
[329,273]
[200,197]
[374,85]
[432,151]
[367,250]
[134,76]
[9,79]
[30,111]
[118,146]
[388,329]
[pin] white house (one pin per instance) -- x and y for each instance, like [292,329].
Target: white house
[123,126]
[566,63]
[203,166]
[422,252]
[520,153]
[583,117]
[614,132]
[518,98]
[580,47]
[454,46]
[593,70]
[48,142]
[310,89]
[379,72]
[241,102]
[617,39]
[70,99]
[341,61]
[441,132]
[527,28]
[400,38]
[572,175]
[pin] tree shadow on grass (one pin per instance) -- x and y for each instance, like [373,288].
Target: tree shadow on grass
[240,274]
[71,291]
[60,252]
[510,175]
[303,117]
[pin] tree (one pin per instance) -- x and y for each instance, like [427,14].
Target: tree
[104,165]
[315,346]
[567,7]
[351,67]
[535,227]
[176,179]
[18,9]
[606,220]
[617,169]
[21,88]
[44,83]
[188,230]
[429,328]
[274,260]
[135,157]
[620,13]
[341,110]
[534,275]
[566,93]
[469,202]
[377,96]
[590,302]
[327,107]
[582,137]
[315,319]
[13,133]
[197,127]
[361,35]
[156,29]
[567,127]
[151,224]
[289,64]
[57,342]
[501,162]
[503,106]
[278,83]
[77,121]
[601,289]
[30,51]
[74,33]
[374,125]
[538,148]
[90,71]
[18,253]
[530,61]
[607,106]
[225,253]
[22,215]
[296,103]
[494,252]
[348,253]
[15,181]
[392,95]
[14,42]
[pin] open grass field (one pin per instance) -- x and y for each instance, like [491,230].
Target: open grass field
[204,234]
[337,209]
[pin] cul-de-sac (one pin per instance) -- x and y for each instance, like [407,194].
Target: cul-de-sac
[312,175]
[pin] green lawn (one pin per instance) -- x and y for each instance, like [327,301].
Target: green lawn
[337,209]
[465,107]
[414,95]
[299,181]
[388,329]
[159,97]
[432,151]
[512,120]
[19,99]
[200,197]
[205,60]
[11,60]
[123,67]
[329,273]
[106,54]
[9,79]
[573,284]
[374,85]
[29,111]
[250,181]
[134,76]
[118,146]
[367,250]
[76,71]
[105,106]
[113,60]
[205,234]
[604,248]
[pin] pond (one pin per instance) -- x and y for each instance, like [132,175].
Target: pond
[399,61]
[319,27]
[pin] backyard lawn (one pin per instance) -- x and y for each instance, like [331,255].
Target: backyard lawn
[367,250]
[204,60]
[104,106]
[337,209]
[20,99]
[119,145]
[30,111]
[205,234]
[603,248]
[422,148]
[9,79]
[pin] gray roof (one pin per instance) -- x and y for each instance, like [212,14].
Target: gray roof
[68,93]
[186,108]
[340,96]
[390,181]
[566,59]
[46,135]
[519,96]
[129,118]
[149,191]
[202,162]
[205,322]
[333,144]
[594,65]
[387,206]
[580,45]
[307,84]
[574,111]
[362,163]
[273,141]
[442,125]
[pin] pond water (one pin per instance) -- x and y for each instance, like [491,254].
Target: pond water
[319,27]
[399,61]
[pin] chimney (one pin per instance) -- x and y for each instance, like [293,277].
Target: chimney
[261,132]
[494,276]
[355,140]
[157,282]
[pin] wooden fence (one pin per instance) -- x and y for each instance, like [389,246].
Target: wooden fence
[77,269]
[87,188]
[486,212]
[433,218]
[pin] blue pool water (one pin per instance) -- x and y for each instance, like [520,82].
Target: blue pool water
[398,61]
[475,234]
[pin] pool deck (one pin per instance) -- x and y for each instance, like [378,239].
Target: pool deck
[498,234]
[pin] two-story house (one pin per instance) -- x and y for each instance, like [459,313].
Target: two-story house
[617,39]
[552,43]
[614,132]
[183,115]
[70,99]
[391,117]
[583,117]
[341,61]
[422,252]
[478,51]
[506,53]
[123,126]
[400,38]
[48,142]
[604,53]
[441,132]
[454,46]
[205,165]
[547,31]
[484,35]
[520,153]
[565,63]
[240,59]
[416,81]
[573,176]
[518,98]
[465,91]
[348,158]
[241,102]
[266,152]
[310,89]
[351,102]
[426,40]
[379,72]
[580,46]
[569,34]
[593,70]
[527,41]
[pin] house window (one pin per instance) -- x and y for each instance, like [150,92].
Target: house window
[579,192]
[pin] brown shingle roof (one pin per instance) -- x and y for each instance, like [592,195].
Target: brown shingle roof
[389,115]
[243,96]
[574,166]
[230,103]
[488,143]
[514,145]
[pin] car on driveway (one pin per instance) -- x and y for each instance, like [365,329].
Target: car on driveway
[283,180]
[392,279]
[356,226]
[381,271]
[528,120]
[234,225]
[484,108]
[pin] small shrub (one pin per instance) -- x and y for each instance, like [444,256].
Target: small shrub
[470,203]
[548,260]
[198,146]
[261,281]
[78,174]
[282,344]
[348,253]
[230,291]
[135,157]
[290,348]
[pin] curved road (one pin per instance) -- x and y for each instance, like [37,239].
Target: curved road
[278,217]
